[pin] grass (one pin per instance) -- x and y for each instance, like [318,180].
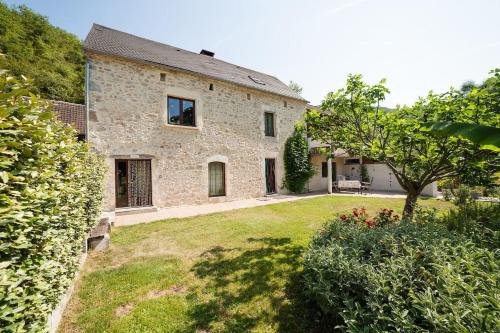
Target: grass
[236,271]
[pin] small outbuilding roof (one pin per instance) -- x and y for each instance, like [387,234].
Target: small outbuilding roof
[116,43]
[72,114]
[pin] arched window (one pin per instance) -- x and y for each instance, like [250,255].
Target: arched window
[216,179]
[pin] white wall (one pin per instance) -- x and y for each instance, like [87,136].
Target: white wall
[383,178]
[317,183]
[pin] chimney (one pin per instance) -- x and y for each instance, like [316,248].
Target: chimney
[207,53]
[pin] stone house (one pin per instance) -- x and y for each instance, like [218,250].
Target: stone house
[180,128]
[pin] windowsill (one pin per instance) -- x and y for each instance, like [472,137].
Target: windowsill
[189,128]
[271,138]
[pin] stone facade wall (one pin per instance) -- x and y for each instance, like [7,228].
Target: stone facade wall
[128,117]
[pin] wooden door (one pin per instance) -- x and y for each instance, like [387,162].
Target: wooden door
[133,183]
[270,168]
[121,183]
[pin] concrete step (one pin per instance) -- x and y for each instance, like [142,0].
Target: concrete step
[135,210]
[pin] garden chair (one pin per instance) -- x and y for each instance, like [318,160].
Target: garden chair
[365,186]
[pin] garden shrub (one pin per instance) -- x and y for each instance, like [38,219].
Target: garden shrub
[50,196]
[478,221]
[365,176]
[297,159]
[401,277]
[425,215]
[447,194]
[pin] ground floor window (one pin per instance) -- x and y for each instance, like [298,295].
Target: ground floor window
[216,179]
[324,170]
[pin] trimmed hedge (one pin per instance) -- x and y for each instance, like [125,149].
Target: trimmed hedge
[406,277]
[50,196]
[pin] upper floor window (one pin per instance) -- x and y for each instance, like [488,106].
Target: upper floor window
[269,123]
[181,111]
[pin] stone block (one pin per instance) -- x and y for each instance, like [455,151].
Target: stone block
[100,243]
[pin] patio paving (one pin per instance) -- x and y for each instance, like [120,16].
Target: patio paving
[195,210]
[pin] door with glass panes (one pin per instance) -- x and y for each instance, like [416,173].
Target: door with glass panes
[133,183]
[270,170]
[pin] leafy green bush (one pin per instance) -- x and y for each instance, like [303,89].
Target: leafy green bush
[50,196]
[365,176]
[447,194]
[407,277]
[478,221]
[35,48]
[298,167]
[447,183]
[425,215]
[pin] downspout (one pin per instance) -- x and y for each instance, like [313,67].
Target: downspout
[329,176]
[309,140]
[87,99]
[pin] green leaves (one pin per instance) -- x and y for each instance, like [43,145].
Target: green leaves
[486,136]
[415,278]
[50,195]
[298,167]
[352,119]
[49,55]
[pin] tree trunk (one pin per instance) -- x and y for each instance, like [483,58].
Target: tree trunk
[411,201]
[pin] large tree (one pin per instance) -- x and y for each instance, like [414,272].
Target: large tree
[352,119]
[52,57]
[295,87]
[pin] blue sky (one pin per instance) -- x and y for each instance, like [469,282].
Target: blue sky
[417,45]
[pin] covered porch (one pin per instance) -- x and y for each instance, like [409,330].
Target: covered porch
[345,170]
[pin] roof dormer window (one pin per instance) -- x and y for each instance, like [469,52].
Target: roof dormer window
[256,80]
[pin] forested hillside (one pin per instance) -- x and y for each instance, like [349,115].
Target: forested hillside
[31,46]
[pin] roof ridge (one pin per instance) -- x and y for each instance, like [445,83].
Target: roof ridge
[144,38]
[181,49]
[110,41]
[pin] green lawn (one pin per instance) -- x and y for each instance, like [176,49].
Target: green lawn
[224,272]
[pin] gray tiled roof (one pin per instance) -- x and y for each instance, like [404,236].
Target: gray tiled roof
[120,44]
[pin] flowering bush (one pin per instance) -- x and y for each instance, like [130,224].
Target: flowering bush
[405,277]
[359,216]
